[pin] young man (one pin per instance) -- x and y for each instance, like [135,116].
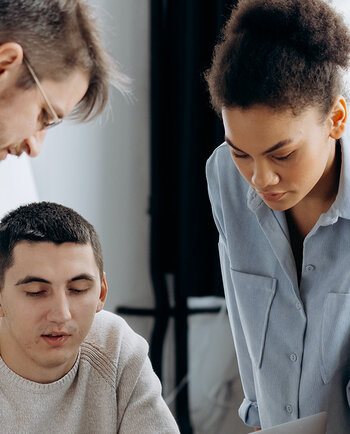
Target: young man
[63,366]
[52,62]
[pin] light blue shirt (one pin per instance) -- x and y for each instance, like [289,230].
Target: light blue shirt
[292,342]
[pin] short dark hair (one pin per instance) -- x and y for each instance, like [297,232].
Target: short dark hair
[58,37]
[45,221]
[280,53]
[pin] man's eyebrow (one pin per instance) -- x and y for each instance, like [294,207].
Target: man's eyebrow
[37,279]
[30,279]
[83,276]
[271,149]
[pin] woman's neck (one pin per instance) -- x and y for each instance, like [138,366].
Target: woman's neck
[306,213]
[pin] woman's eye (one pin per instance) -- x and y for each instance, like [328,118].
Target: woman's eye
[235,155]
[285,157]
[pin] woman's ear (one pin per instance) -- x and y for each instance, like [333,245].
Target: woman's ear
[338,118]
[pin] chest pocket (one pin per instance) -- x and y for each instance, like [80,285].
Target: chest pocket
[254,295]
[335,339]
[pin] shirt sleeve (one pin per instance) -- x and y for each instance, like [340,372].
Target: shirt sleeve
[217,190]
[141,406]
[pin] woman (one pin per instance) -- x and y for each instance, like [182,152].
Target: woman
[280,192]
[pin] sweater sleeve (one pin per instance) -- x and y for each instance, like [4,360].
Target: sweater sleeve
[141,407]
[146,412]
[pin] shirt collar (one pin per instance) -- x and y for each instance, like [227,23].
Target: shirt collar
[253,199]
[341,205]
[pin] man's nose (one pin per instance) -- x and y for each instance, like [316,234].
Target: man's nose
[59,310]
[264,176]
[34,144]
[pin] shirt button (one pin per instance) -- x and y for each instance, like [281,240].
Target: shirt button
[289,409]
[298,305]
[310,267]
[293,357]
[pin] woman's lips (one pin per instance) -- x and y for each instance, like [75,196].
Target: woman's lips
[272,197]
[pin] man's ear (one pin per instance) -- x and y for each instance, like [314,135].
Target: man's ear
[103,294]
[11,54]
[2,314]
[338,118]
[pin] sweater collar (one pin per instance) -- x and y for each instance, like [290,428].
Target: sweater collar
[8,377]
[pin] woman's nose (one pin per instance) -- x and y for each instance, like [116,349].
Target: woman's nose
[263,177]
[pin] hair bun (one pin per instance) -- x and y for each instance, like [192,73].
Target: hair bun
[306,25]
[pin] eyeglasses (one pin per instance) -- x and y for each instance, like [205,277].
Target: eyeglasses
[55,119]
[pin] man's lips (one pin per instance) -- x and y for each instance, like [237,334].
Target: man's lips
[55,338]
[9,151]
[3,154]
[56,334]
[16,152]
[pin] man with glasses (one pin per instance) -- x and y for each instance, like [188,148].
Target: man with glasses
[52,65]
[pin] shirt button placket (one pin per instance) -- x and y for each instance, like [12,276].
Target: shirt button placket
[293,358]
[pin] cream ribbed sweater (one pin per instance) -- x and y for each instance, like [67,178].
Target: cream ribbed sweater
[111,389]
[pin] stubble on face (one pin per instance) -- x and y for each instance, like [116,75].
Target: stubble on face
[29,322]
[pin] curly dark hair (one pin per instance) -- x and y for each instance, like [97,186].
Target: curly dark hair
[280,53]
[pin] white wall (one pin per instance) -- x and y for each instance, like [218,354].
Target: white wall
[102,169]
[17,183]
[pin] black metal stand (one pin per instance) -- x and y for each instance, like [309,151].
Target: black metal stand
[162,316]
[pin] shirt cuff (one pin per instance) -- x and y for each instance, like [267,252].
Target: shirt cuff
[249,413]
